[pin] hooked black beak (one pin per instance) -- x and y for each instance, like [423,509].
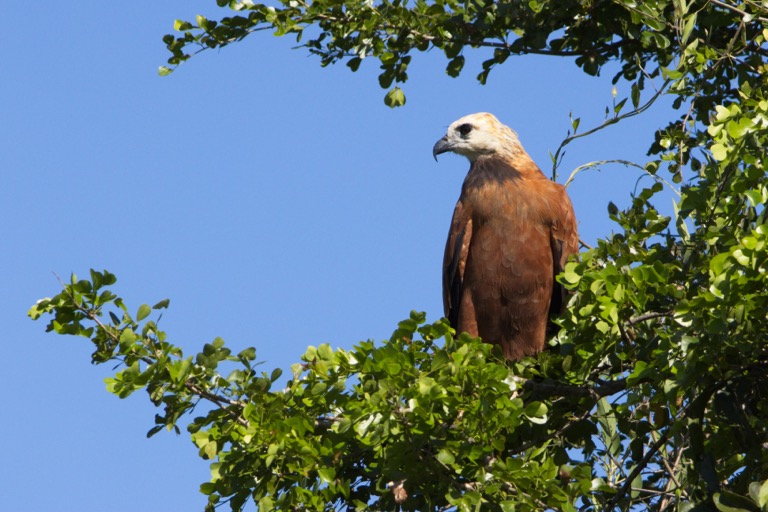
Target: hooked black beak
[441,147]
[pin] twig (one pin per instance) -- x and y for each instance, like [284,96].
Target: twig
[743,14]
[596,164]
[609,122]
[671,472]
[219,400]
[648,316]
[640,467]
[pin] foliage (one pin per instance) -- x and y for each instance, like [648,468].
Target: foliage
[641,36]
[655,393]
[445,423]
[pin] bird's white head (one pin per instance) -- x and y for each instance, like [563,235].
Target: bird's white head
[478,135]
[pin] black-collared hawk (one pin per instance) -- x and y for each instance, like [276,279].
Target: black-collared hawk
[512,232]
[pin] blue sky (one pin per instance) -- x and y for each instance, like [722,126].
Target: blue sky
[276,203]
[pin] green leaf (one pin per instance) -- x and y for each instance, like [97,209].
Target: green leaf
[325,352]
[575,124]
[606,415]
[756,197]
[210,450]
[637,483]
[758,491]
[737,129]
[39,308]
[536,412]
[719,152]
[395,98]
[181,26]
[426,384]
[635,94]
[163,304]
[446,457]
[354,63]
[164,70]
[455,66]
[127,338]
[248,354]
[508,506]
[318,389]
[183,369]
[617,108]
[641,371]
[688,26]
[570,275]
[723,113]
[327,475]
[719,263]
[154,430]
[342,425]
[144,311]
[730,502]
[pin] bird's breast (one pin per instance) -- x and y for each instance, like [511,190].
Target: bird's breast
[511,236]
[505,205]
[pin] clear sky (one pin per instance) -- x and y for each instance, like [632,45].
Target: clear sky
[274,202]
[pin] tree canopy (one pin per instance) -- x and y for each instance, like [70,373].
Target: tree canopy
[654,395]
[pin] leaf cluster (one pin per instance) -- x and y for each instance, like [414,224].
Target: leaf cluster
[447,424]
[593,33]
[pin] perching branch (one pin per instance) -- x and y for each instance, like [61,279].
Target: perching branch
[551,388]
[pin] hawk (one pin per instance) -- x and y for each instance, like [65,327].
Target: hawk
[511,234]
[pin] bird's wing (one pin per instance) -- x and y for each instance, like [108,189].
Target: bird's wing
[454,262]
[564,241]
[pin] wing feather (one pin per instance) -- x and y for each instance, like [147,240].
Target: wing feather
[455,261]
[564,240]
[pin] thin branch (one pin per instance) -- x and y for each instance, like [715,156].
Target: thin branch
[648,316]
[596,391]
[743,14]
[639,110]
[671,471]
[640,467]
[625,335]
[219,400]
[596,164]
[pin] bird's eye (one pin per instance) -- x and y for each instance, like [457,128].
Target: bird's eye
[465,129]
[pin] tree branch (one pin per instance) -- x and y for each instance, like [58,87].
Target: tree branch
[648,316]
[738,11]
[597,391]
[218,400]
[639,110]
[640,467]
